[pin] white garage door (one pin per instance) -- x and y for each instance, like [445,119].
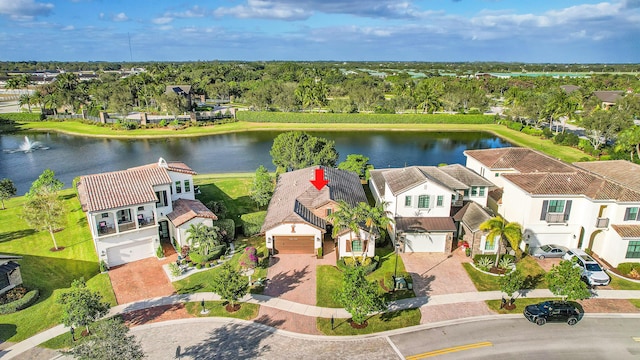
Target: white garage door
[423,242]
[565,240]
[138,250]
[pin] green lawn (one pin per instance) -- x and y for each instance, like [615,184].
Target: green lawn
[635,302]
[621,284]
[377,323]
[534,276]
[328,281]
[49,272]
[217,309]
[232,189]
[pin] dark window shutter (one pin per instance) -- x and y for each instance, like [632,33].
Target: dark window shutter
[348,245]
[543,214]
[627,214]
[567,210]
[364,245]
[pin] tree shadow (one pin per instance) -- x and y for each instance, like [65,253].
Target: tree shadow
[13,235]
[422,283]
[148,315]
[7,331]
[235,341]
[282,283]
[530,282]
[388,316]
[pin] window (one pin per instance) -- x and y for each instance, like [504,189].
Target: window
[162,199]
[474,191]
[633,250]
[466,192]
[440,201]
[356,245]
[329,211]
[556,206]
[490,243]
[407,201]
[140,208]
[423,201]
[187,186]
[178,187]
[105,215]
[481,191]
[4,280]
[631,214]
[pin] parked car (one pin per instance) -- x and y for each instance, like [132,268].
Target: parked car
[592,272]
[552,311]
[549,251]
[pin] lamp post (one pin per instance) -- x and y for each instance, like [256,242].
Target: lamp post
[395,271]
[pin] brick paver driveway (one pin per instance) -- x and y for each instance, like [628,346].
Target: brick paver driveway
[141,279]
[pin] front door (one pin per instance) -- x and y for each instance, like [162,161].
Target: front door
[164,231]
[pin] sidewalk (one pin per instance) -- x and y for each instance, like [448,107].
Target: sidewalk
[307,310]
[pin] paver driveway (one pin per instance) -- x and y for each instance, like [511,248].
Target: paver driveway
[141,279]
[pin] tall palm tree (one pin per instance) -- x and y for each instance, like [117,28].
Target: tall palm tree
[347,217]
[203,237]
[375,218]
[499,227]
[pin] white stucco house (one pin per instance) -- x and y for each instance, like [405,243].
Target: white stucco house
[296,220]
[130,212]
[588,205]
[422,200]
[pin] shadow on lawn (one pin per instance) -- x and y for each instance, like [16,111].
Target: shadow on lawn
[235,341]
[13,235]
[48,274]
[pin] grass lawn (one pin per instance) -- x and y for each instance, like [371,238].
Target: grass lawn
[377,323]
[201,282]
[622,284]
[328,281]
[49,272]
[217,309]
[534,276]
[635,302]
[232,189]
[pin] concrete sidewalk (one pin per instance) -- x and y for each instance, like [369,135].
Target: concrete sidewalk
[307,310]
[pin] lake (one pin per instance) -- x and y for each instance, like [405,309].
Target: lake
[70,156]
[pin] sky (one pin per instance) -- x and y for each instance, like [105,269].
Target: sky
[533,31]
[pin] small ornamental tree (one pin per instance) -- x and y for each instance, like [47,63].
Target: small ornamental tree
[7,190]
[565,281]
[359,296]
[230,285]
[81,306]
[111,340]
[262,187]
[511,283]
[47,181]
[45,211]
[249,258]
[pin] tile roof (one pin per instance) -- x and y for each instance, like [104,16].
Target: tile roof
[610,96]
[472,215]
[627,231]
[121,188]
[465,175]
[295,198]
[620,171]
[520,159]
[569,88]
[8,267]
[424,224]
[185,210]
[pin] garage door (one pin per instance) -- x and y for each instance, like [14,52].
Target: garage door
[139,250]
[294,244]
[423,242]
[558,239]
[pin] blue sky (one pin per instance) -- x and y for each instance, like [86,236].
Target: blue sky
[559,31]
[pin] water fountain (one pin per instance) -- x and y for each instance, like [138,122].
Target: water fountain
[28,146]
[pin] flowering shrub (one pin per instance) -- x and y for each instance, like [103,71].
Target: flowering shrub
[249,258]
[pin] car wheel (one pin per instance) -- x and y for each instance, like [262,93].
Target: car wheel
[541,257]
[541,321]
[572,321]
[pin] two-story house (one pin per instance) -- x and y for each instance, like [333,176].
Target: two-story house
[296,220]
[421,200]
[131,211]
[585,205]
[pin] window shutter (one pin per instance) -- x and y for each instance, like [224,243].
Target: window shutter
[545,206]
[627,214]
[364,245]
[348,245]
[567,210]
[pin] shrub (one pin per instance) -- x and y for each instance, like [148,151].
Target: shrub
[12,295]
[249,259]
[198,266]
[218,208]
[227,228]
[319,252]
[485,263]
[214,254]
[514,125]
[627,268]
[251,223]
[547,133]
[103,266]
[532,131]
[505,263]
[175,269]
[369,264]
[159,252]
[27,300]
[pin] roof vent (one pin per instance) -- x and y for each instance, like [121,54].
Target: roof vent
[162,163]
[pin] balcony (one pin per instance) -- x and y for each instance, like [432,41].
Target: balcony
[106,227]
[602,223]
[555,218]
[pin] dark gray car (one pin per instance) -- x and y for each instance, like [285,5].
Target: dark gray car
[549,251]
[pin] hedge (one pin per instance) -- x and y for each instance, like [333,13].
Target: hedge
[342,265]
[20,116]
[626,268]
[228,226]
[252,223]
[27,300]
[333,118]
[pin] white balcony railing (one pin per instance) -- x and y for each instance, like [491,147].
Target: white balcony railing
[555,218]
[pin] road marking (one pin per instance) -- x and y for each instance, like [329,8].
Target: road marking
[449,350]
[637,338]
[394,347]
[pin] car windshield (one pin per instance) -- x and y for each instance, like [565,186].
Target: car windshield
[546,248]
[593,267]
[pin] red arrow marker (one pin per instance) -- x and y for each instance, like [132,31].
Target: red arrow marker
[319,182]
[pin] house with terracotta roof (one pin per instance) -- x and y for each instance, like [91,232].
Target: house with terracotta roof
[586,205]
[130,212]
[296,220]
[422,199]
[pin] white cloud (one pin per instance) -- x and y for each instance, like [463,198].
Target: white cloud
[24,9]
[68,28]
[162,20]
[120,17]
[264,9]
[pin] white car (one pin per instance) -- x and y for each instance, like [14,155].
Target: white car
[592,272]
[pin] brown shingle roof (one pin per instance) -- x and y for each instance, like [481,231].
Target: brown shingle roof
[295,198]
[621,171]
[465,175]
[472,215]
[522,160]
[425,224]
[627,231]
[121,188]
[185,210]
[608,96]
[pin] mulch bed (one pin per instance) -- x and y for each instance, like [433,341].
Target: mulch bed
[60,248]
[358,326]
[233,308]
[496,270]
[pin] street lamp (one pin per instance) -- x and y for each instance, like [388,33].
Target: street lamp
[395,271]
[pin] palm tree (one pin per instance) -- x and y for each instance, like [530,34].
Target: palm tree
[375,218]
[499,227]
[203,237]
[25,99]
[347,217]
